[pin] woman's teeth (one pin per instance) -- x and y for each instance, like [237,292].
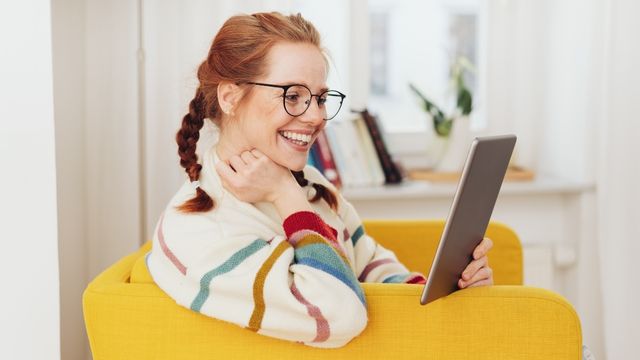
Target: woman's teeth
[300,139]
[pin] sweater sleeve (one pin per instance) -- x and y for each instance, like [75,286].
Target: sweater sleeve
[373,263]
[299,287]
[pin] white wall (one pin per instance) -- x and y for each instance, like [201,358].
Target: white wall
[29,305]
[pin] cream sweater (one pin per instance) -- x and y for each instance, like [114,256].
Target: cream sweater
[297,279]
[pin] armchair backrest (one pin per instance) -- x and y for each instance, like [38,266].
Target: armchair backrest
[415,243]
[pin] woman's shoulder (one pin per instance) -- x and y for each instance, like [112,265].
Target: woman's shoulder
[229,220]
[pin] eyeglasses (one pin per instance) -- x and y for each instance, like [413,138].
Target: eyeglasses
[296,99]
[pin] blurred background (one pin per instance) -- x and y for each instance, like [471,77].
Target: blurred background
[561,75]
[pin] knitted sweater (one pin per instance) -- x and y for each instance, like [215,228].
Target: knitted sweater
[297,279]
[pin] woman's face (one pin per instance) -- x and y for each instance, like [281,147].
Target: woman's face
[262,120]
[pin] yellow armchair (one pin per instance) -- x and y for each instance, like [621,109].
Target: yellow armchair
[128,317]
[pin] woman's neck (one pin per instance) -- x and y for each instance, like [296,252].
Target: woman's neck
[229,145]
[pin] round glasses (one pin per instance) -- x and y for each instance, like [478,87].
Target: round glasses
[296,99]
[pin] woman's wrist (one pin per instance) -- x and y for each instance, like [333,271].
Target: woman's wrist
[291,201]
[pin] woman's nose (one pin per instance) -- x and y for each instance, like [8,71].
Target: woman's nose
[314,113]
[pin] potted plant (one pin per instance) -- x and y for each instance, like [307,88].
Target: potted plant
[451,129]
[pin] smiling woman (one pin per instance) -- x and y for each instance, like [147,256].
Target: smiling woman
[255,236]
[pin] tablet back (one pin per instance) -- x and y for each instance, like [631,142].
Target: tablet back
[470,213]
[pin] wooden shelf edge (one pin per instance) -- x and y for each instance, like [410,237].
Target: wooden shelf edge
[514,173]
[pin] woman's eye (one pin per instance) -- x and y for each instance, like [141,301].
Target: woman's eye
[292,97]
[322,101]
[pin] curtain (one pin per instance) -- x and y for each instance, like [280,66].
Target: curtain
[618,183]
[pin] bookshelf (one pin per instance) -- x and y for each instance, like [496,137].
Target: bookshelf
[416,189]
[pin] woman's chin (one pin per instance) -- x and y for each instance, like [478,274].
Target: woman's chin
[293,165]
[297,167]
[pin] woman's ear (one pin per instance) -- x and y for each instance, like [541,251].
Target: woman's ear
[228,97]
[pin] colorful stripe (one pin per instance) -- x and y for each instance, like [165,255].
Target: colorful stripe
[167,252]
[296,238]
[298,235]
[357,235]
[395,279]
[307,220]
[322,325]
[227,266]
[412,278]
[258,286]
[345,235]
[372,265]
[322,257]
[313,238]
[416,279]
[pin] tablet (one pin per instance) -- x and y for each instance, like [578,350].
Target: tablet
[470,213]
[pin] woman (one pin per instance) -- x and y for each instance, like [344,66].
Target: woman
[256,237]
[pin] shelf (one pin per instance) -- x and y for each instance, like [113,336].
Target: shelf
[412,189]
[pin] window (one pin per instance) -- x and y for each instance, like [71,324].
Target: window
[418,42]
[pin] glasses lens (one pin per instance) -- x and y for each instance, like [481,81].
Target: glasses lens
[331,103]
[297,100]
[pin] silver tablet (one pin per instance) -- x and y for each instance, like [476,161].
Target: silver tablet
[470,213]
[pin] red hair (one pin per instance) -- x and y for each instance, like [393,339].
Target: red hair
[238,54]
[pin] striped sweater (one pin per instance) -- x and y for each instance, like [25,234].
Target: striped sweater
[297,279]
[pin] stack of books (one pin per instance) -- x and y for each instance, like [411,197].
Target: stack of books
[353,153]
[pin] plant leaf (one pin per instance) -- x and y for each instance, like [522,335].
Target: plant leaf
[465,101]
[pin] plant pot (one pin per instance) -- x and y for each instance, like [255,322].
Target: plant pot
[453,148]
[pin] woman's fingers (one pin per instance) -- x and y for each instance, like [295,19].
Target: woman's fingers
[485,282]
[473,267]
[482,276]
[257,153]
[483,248]
[237,163]
[247,157]
[253,177]
[226,172]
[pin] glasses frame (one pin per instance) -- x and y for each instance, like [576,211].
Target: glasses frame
[318,96]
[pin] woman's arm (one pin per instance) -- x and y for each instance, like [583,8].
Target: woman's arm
[374,263]
[298,288]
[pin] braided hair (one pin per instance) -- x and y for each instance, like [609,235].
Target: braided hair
[322,192]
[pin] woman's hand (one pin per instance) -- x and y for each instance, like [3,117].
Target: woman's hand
[253,177]
[478,272]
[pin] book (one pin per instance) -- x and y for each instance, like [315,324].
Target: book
[368,151]
[392,173]
[339,157]
[311,159]
[348,144]
[314,157]
[325,156]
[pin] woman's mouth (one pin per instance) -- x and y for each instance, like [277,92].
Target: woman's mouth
[297,139]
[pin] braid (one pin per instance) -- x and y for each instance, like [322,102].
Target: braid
[322,192]
[187,139]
